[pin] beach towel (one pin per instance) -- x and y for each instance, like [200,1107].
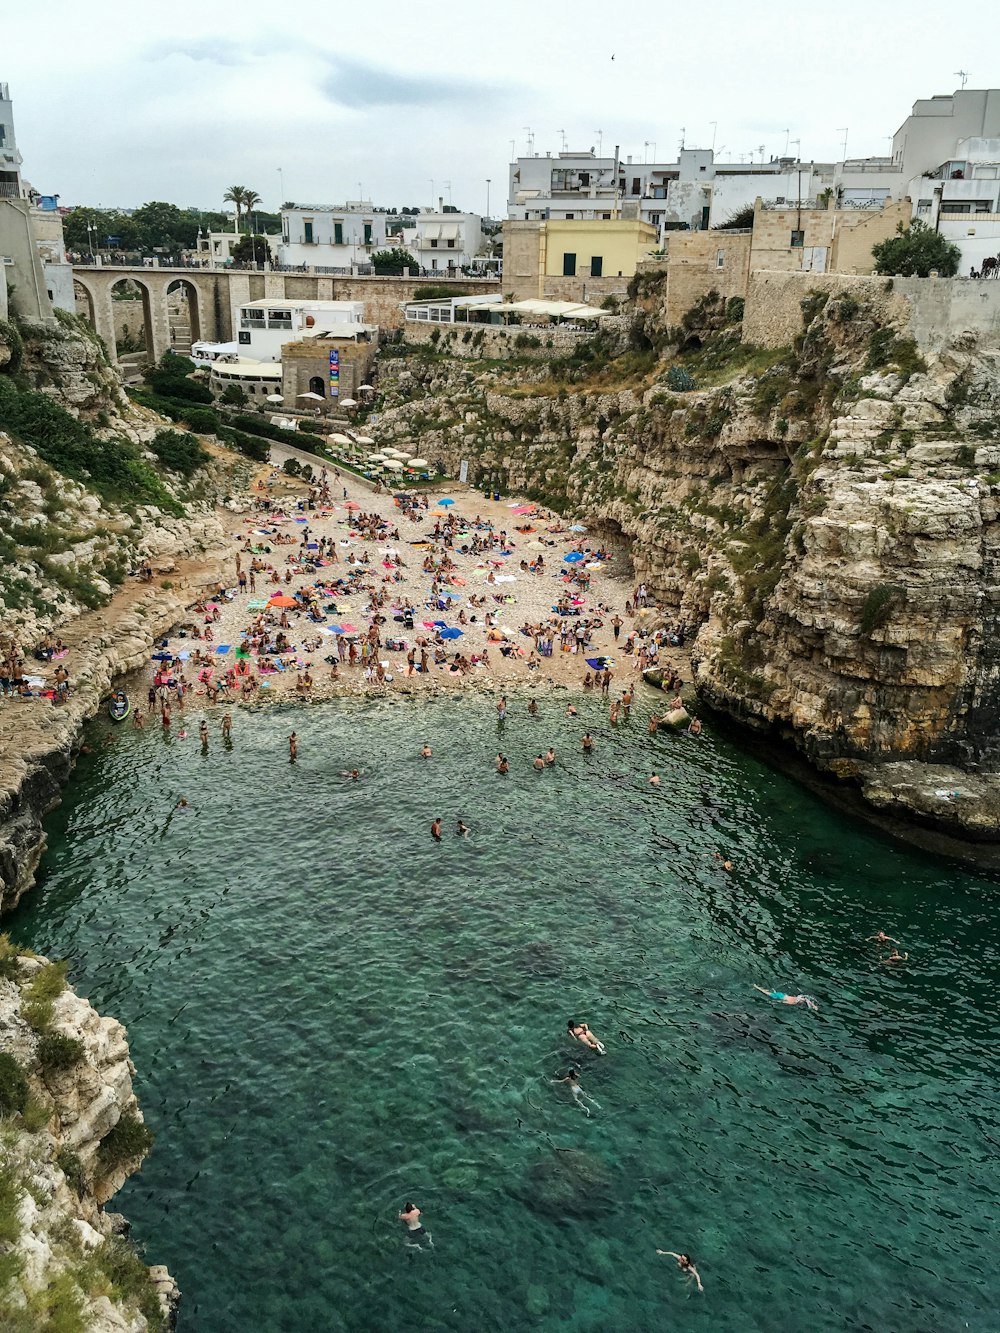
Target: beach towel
[223,647]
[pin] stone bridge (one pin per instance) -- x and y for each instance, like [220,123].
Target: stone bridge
[214,295]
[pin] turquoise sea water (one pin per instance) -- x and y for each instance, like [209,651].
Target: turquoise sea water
[331,1015]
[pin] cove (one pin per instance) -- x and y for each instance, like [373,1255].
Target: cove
[330,1014]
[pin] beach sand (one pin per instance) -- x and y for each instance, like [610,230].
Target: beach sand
[526,597]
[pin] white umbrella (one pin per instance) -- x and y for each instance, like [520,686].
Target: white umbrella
[376,458]
[363,439]
[348,402]
[394,464]
[418,462]
[275,398]
[314,397]
[394,453]
[368,387]
[337,438]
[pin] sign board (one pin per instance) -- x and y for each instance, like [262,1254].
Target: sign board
[463,470]
[334,374]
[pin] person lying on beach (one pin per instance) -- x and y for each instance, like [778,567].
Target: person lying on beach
[787,999]
[583,1033]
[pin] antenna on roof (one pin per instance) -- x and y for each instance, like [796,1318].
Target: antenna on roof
[562,136]
[962,74]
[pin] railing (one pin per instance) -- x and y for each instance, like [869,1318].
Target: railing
[8,191]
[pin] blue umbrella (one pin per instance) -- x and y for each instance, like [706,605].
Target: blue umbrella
[441,624]
[335,629]
[446,502]
[598,663]
[574,557]
[452,633]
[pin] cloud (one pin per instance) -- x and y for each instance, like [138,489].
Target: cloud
[357,84]
[204,50]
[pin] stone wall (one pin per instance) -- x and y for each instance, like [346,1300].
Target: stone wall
[933,311]
[693,268]
[493,340]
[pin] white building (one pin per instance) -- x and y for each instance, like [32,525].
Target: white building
[10,158]
[693,193]
[263,327]
[340,237]
[446,242]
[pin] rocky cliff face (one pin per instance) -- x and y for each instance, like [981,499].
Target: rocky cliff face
[826,514]
[71,1132]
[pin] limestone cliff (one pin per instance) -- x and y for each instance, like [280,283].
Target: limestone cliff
[825,513]
[70,1133]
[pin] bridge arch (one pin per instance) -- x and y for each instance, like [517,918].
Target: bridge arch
[131,301]
[184,313]
[84,301]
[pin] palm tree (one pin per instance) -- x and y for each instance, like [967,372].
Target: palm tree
[250,201]
[236,195]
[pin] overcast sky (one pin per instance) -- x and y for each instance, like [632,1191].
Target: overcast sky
[113,106]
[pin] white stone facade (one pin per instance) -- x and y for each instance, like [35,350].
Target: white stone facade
[341,237]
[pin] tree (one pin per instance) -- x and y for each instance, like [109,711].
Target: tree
[158,225]
[234,396]
[250,201]
[393,261]
[915,251]
[251,250]
[741,219]
[235,196]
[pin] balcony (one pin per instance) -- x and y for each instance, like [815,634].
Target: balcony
[8,190]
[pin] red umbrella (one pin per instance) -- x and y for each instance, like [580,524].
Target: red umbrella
[351,505]
[349,629]
[282,600]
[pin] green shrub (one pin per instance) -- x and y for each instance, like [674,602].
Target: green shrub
[234,395]
[679,379]
[13,1086]
[258,450]
[879,605]
[202,419]
[115,1269]
[72,1168]
[735,307]
[310,444]
[40,994]
[179,451]
[527,340]
[57,1052]
[13,339]
[291,467]
[128,1140]
[10,966]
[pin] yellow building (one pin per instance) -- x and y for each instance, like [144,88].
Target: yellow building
[573,259]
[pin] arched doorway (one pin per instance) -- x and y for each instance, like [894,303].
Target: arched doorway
[316,385]
[183,315]
[83,303]
[133,326]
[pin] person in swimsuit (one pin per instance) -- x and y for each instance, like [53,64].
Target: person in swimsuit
[538,763]
[426,752]
[882,938]
[436,830]
[581,1098]
[462,829]
[654,779]
[503,766]
[583,1033]
[570,711]
[686,1264]
[550,756]
[415,1233]
[895,957]
[780,995]
[587,743]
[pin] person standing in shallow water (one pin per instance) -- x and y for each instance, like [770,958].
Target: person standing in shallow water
[293,748]
[436,830]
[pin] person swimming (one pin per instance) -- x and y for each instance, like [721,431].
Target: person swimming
[686,1264]
[415,1232]
[895,957]
[583,1033]
[581,1098]
[782,998]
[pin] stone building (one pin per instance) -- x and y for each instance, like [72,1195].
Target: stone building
[333,363]
[573,260]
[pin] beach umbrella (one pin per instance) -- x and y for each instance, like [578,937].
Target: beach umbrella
[368,388]
[598,663]
[574,557]
[366,440]
[536,546]
[446,502]
[418,462]
[452,633]
[275,398]
[393,464]
[313,397]
[282,599]
[348,629]
[351,505]
[346,402]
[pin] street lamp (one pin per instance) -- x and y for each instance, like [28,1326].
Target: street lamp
[487,198]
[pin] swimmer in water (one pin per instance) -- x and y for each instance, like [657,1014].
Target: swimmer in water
[726,865]
[654,780]
[415,1233]
[462,830]
[581,1098]
[293,748]
[686,1264]
[780,995]
[583,1033]
[882,938]
[436,830]
[539,763]
[895,957]
[587,743]
[503,766]
[570,711]
[502,709]
[532,708]
[426,752]
[550,756]
[654,724]
[182,804]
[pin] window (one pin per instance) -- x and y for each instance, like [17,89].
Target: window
[3,135]
[584,177]
[307,231]
[368,233]
[798,239]
[434,262]
[451,245]
[956,208]
[569,265]
[636,185]
[570,217]
[434,245]
[338,233]
[316,385]
[720,259]
[596,265]
[244,337]
[606,217]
